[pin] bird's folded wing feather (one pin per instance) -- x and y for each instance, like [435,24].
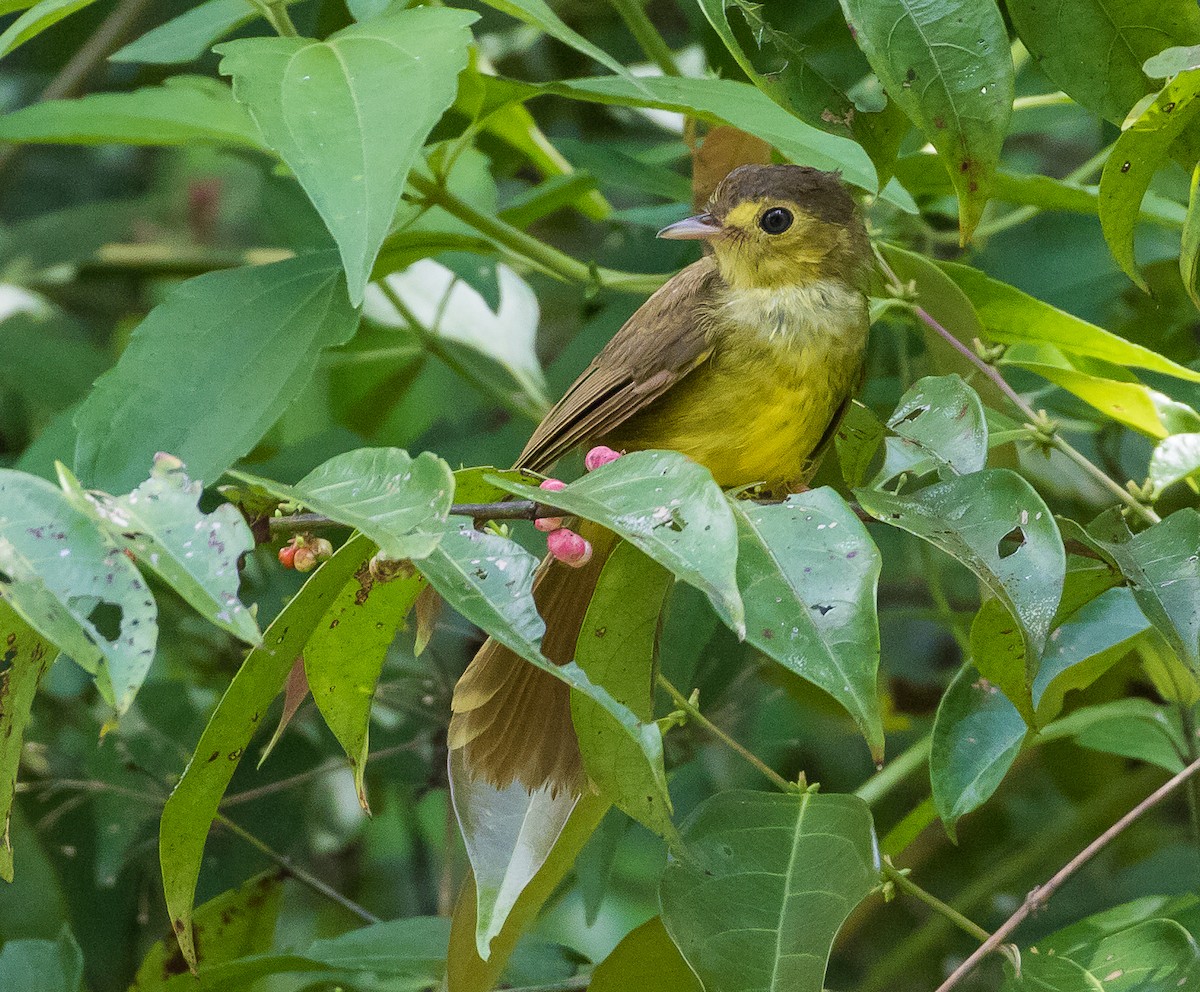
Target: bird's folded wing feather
[660,344]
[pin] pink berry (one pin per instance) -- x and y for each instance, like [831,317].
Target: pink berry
[553,485]
[548,525]
[569,548]
[600,455]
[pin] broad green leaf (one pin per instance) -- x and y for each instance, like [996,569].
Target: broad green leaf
[1138,153]
[190,35]
[1089,642]
[24,659]
[161,525]
[1000,653]
[36,19]
[616,649]
[669,507]
[489,580]
[344,657]
[235,924]
[859,435]
[948,67]
[1132,728]
[1174,459]
[508,834]
[541,16]
[1122,34]
[185,110]
[329,109]
[739,104]
[645,959]
[42,965]
[940,422]
[1189,249]
[1162,564]
[189,812]
[211,368]
[466,970]
[74,586]
[808,573]
[1149,956]
[1050,974]
[998,526]
[767,884]
[1010,316]
[398,501]
[977,734]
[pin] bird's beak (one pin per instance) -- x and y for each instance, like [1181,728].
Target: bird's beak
[698,228]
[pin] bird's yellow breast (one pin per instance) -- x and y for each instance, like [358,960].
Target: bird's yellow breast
[782,363]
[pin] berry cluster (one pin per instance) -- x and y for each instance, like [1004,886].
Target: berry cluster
[567,546]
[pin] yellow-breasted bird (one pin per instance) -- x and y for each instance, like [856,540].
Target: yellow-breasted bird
[745,362]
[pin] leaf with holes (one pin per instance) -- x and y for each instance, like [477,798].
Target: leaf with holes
[999,527]
[1138,153]
[329,109]
[939,423]
[74,586]
[399,502]
[668,506]
[808,572]
[977,735]
[948,67]
[768,881]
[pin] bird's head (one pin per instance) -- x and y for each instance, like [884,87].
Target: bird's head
[776,226]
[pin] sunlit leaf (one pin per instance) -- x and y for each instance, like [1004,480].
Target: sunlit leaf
[211,368]
[948,67]
[977,735]
[74,586]
[328,109]
[669,507]
[645,959]
[768,881]
[1138,153]
[1174,459]
[808,572]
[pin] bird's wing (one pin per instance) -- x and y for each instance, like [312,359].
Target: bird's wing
[660,344]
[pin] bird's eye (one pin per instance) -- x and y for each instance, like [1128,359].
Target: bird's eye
[776,220]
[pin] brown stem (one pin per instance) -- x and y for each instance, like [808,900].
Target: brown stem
[1040,895]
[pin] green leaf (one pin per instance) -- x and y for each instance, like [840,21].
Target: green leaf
[399,502]
[36,19]
[769,880]
[539,14]
[1174,459]
[190,35]
[1138,153]
[74,586]
[616,649]
[189,812]
[25,658]
[343,659]
[998,526]
[645,959]
[948,67]
[185,110]
[1132,728]
[977,735]
[489,580]
[859,435]
[724,101]
[1189,249]
[42,965]
[211,368]
[508,834]
[1172,61]
[1010,316]
[808,572]
[1121,33]
[329,109]
[1162,565]
[939,422]
[1089,642]
[669,507]
[195,553]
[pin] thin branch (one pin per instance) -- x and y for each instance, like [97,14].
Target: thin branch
[1040,895]
[693,712]
[900,879]
[894,772]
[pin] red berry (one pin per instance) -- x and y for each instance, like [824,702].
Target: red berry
[569,548]
[599,455]
[287,556]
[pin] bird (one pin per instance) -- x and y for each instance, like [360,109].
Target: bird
[744,361]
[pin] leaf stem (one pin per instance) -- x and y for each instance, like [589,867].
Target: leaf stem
[633,13]
[276,13]
[905,884]
[693,712]
[1059,99]
[895,771]
[1040,895]
[299,874]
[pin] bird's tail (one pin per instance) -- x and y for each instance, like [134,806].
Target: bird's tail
[512,719]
